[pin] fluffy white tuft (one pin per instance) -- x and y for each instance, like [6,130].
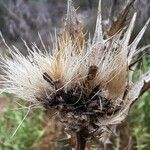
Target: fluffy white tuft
[69,63]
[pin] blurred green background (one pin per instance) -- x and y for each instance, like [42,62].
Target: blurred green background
[24,19]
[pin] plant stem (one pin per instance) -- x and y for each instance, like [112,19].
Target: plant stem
[81,138]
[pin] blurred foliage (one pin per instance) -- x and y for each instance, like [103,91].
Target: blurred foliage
[29,130]
[140,121]
[140,113]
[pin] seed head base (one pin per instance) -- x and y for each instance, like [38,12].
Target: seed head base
[77,111]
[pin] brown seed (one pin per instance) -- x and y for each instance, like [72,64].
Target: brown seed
[92,72]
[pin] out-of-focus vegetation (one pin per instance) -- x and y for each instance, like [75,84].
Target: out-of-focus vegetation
[140,113]
[19,128]
[23,19]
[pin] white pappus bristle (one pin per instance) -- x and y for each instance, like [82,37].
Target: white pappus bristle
[69,65]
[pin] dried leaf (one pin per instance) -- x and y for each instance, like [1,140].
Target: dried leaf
[121,20]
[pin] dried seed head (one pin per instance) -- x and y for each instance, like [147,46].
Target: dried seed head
[81,80]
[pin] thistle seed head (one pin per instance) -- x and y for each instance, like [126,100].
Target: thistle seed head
[84,81]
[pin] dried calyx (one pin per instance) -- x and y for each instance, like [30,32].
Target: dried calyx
[77,109]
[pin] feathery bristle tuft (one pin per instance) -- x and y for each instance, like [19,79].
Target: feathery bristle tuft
[82,80]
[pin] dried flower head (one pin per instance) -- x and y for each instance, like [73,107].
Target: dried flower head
[84,81]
